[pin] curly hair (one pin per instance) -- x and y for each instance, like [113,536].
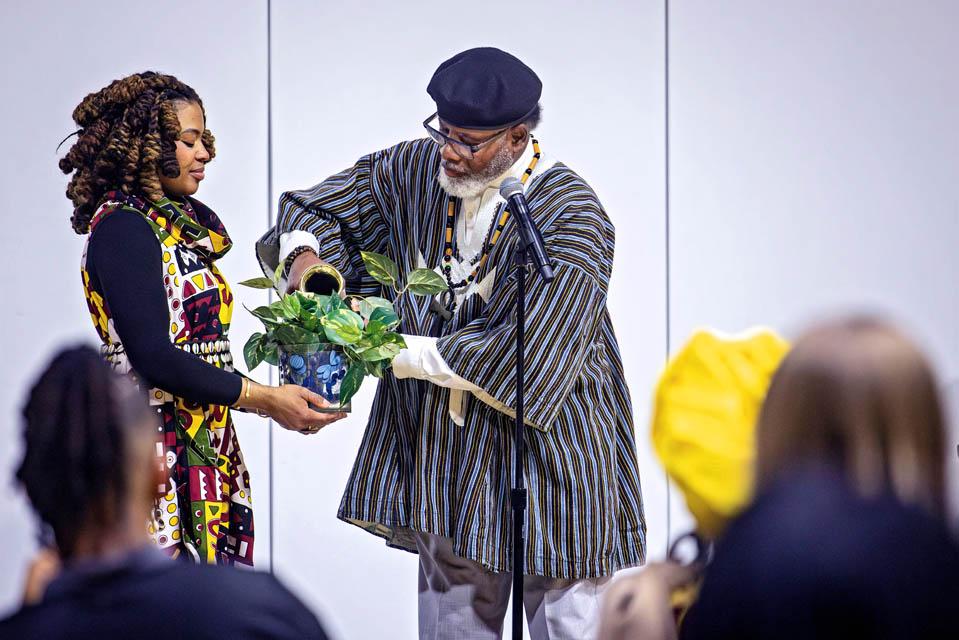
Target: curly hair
[78,420]
[127,139]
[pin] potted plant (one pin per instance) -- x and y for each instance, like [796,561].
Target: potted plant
[329,344]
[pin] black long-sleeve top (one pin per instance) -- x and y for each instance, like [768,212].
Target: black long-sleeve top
[124,257]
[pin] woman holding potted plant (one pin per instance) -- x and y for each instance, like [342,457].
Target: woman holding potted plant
[163,309]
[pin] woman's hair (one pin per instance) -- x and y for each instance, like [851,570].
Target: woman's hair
[127,139]
[858,395]
[78,421]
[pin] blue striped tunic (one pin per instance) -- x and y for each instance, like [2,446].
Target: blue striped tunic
[418,471]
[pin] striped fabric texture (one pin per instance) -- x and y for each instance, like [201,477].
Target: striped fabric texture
[418,471]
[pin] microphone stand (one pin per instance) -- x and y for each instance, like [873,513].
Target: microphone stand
[529,249]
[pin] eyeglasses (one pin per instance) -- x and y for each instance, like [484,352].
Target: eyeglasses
[462,149]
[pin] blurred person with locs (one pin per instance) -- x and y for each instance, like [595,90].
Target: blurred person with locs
[90,470]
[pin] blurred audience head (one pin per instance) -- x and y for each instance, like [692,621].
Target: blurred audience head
[858,395]
[89,463]
[704,419]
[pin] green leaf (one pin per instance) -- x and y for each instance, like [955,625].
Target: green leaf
[266,315]
[375,369]
[379,302]
[258,283]
[271,353]
[343,326]
[351,383]
[291,306]
[386,351]
[253,351]
[426,282]
[327,304]
[308,317]
[375,333]
[365,309]
[386,316]
[381,268]
[352,355]
[288,334]
[278,272]
[397,339]
[305,297]
[281,311]
[297,339]
[368,305]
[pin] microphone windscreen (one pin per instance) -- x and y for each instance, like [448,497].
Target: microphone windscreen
[510,187]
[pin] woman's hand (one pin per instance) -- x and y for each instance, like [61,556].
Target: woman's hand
[289,406]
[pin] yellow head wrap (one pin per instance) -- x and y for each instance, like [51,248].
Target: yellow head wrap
[704,419]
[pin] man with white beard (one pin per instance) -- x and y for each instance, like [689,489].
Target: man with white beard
[432,474]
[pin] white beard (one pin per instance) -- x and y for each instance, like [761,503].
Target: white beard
[463,188]
[473,185]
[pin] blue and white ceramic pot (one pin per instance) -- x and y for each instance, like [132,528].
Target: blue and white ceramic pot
[320,371]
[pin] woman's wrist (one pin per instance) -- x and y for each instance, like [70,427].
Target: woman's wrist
[254,396]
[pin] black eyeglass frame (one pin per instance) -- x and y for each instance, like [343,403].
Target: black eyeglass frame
[462,149]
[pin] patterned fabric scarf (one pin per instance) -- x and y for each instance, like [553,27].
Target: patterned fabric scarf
[190,223]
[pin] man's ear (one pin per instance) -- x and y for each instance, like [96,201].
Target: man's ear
[518,135]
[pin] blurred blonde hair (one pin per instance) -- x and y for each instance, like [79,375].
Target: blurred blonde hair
[859,395]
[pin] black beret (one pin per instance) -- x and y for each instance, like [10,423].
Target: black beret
[484,88]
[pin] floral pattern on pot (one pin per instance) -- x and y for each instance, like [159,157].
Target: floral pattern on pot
[320,371]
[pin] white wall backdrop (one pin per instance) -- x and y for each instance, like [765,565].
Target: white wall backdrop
[812,169]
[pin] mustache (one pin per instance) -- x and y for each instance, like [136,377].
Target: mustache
[452,167]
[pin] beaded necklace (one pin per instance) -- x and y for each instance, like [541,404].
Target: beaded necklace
[492,236]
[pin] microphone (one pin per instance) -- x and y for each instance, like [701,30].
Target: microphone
[511,190]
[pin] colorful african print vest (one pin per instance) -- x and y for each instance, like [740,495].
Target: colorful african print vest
[206,514]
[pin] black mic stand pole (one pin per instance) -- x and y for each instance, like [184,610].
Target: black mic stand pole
[518,493]
[521,258]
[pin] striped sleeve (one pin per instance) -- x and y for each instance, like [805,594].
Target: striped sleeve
[348,213]
[562,323]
